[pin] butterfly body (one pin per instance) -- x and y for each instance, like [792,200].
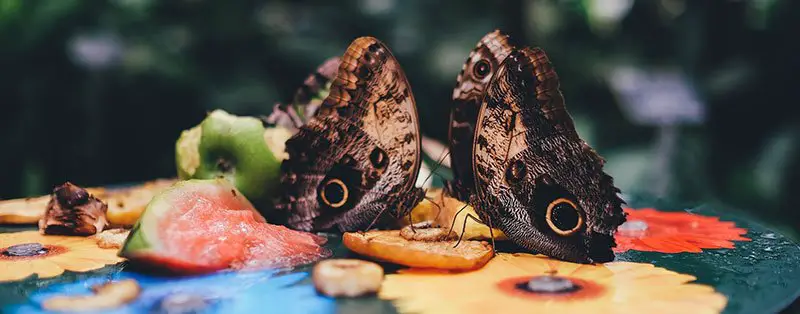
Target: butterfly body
[535,178]
[355,162]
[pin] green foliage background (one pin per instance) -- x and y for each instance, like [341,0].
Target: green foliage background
[97,92]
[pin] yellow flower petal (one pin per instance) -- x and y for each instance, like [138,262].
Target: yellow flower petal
[104,260]
[45,268]
[72,242]
[619,287]
[76,264]
[9,239]
[12,271]
[70,253]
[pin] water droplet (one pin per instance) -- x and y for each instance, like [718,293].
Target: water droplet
[551,284]
[633,228]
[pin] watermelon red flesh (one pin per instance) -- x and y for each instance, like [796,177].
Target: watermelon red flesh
[211,227]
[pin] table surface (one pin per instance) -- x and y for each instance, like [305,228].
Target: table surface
[758,276]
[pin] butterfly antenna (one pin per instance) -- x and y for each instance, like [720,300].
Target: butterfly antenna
[438,164]
[411,223]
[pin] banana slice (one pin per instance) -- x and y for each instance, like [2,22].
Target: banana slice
[347,277]
[106,296]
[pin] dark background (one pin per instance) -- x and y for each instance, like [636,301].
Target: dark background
[97,92]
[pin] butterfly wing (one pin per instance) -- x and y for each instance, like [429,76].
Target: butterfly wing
[537,180]
[475,75]
[357,159]
[307,98]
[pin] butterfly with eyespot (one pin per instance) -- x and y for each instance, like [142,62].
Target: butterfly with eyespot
[354,164]
[476,73]
[535,178]
[553,200]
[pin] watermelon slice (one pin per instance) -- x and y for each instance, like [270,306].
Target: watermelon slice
[202,226]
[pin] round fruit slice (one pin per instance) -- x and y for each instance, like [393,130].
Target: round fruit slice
[201,226]
[390,246]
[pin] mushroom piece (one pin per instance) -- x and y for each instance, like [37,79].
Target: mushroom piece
[73,211]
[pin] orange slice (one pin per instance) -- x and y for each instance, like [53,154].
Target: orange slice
[390,246]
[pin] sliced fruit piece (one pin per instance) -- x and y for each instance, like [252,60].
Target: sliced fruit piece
[441,210]
[201,226]
[425,231]
[112,238]
[29,210]
[24,210]
[390,246]
[237,148]
[126,205]
[347,277]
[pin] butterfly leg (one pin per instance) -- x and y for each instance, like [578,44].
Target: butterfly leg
[464,228]
[456,215]
[411,223]
[439,208]
[378,216]
[454,223]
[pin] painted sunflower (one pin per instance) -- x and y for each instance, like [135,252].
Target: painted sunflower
[26,253]
[651,230]
[525,283]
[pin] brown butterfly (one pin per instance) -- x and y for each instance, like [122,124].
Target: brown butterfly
[471,84]
[306,99]
[356,160]
[535,179]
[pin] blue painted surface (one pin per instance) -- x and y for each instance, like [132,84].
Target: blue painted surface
[228,292]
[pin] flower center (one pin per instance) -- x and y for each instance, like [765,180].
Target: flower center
[25,249]
[549,284]
[551,287]
[33,250]
[183,303]
[633,228]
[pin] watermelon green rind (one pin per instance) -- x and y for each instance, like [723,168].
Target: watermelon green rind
[145,241]
[135,241]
